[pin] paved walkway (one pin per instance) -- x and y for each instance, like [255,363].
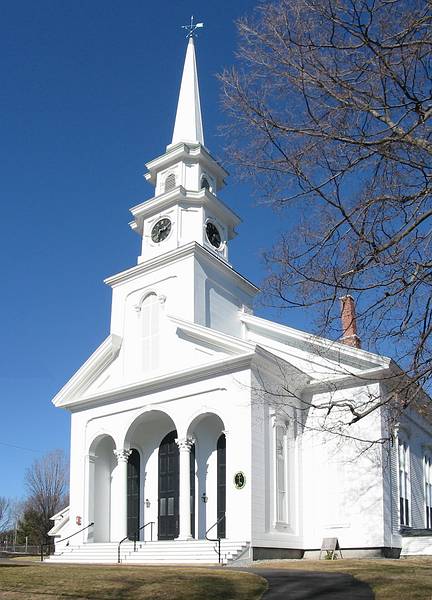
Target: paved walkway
[287,584]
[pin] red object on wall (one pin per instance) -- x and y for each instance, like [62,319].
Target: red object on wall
[78,520]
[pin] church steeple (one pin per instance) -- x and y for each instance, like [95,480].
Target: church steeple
[188,123]
[185,208]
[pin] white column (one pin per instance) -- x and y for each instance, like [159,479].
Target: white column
[88,512]
[185,445]
[119,496]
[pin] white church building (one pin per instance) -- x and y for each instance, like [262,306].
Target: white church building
[194,419]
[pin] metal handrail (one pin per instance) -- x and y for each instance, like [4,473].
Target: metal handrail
[63,540]
[118,547]
[218,539]
[136,534]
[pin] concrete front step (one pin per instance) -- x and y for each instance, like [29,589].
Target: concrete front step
[163,552]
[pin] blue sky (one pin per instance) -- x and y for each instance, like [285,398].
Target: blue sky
[88,94]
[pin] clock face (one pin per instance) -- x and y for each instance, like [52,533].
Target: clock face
[160,230]
[213,235]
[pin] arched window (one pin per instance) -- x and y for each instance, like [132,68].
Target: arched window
[150,332]
[404,483]
[204,183]
[281,474]
[170,182]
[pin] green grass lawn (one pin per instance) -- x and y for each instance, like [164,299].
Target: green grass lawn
[48,582]
[409,579]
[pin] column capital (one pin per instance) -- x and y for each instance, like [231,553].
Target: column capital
[185,444]
[122,454]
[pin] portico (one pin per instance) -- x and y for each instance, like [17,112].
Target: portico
[154,476]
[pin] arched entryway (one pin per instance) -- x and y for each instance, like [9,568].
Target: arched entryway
[101,467]
[150,434]
[208,475]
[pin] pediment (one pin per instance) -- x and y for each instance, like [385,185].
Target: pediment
[94,369]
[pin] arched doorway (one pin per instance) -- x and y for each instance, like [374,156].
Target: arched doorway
[101,467]
[168,511]
[133,493]
[208,475]
[221,485]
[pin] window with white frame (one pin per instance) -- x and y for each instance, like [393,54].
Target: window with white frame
[428,490]
[281,474]
[150,308]
[404,483]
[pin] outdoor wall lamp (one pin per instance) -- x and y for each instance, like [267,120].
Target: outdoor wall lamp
[204,498]
[147,503]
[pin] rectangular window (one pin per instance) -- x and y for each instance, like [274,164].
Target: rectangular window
[404,484]
[428,491]
[281,475]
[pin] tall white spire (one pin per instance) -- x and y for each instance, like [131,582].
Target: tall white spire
[188,122]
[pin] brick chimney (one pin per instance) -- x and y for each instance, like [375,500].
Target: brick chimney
[349,325]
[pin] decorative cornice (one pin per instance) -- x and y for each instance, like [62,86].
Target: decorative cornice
[213,337]
[163,381]
[162,202]
[332,347]
[185,151]
[338,382]
[193,248]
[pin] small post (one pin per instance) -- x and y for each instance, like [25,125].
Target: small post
[26,544]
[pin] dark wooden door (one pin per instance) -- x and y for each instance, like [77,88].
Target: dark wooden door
[133,493]
[168,516]
[221,485]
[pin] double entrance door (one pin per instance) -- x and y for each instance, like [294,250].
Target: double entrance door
[168,516]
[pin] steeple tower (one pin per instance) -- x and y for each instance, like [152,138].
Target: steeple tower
[188,123]
[185,231]
[185,207]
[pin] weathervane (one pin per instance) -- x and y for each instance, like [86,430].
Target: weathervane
[192,27]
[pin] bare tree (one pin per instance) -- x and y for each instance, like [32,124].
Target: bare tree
[331,110]
[46,483]
[5,514]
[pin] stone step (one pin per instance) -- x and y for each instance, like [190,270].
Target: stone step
[163,552]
